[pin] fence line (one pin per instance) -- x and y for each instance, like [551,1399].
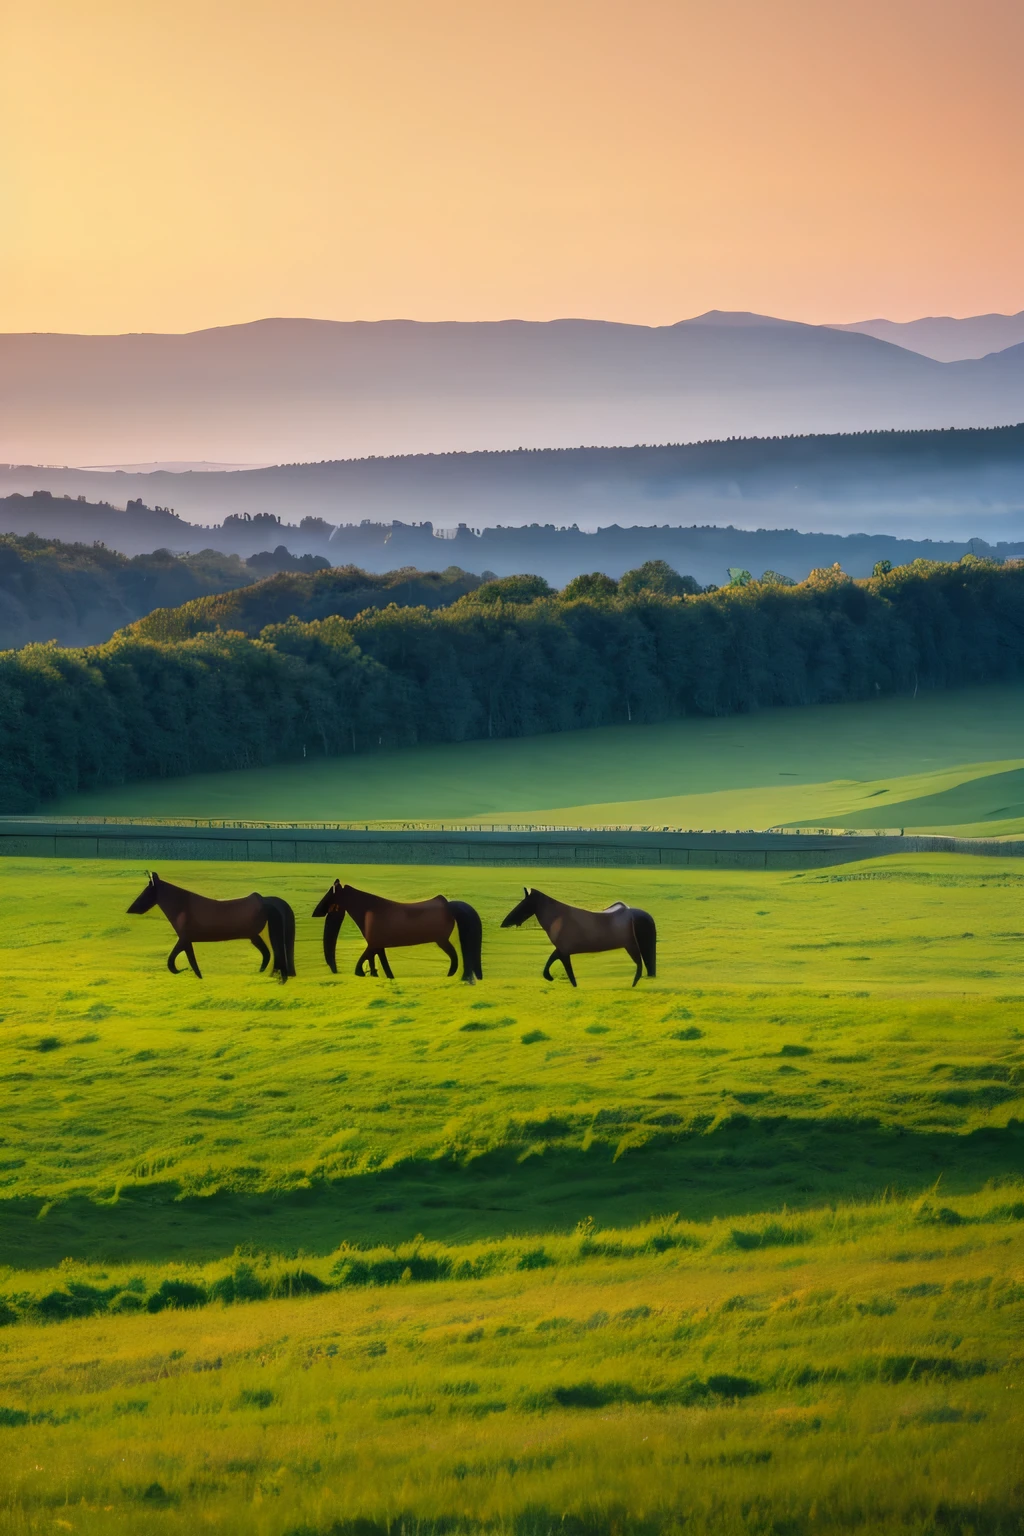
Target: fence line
[237,824]
[584,847]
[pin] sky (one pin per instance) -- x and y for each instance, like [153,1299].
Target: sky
[175,164]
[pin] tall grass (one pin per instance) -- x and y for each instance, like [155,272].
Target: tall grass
[865,1377]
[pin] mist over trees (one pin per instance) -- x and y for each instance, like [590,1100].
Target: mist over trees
[557,553]
[79,594]
[141,707]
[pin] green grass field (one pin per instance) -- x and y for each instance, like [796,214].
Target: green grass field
[740,1250]
[945,762]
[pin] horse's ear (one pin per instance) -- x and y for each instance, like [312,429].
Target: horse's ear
[154,878]
[525,891]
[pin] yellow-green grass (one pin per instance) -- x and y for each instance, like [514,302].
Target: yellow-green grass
[889,993]
[947,762]
[812,1114]
[863,1376]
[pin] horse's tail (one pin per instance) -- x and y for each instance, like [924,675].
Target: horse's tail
[281,923]
[471,939]
[646,935]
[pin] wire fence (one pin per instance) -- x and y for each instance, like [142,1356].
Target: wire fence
[216,823]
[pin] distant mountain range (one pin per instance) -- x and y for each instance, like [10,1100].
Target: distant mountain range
[945,339]
[307,390]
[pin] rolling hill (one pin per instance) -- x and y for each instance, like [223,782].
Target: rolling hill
[957,485]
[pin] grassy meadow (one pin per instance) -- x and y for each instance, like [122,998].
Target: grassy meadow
[740,1250]
[943,762]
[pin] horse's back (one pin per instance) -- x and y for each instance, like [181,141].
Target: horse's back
[209,919]
[578,931]
[397,923]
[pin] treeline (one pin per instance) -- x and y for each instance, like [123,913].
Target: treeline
[79,594]
[534,533]
[509,659]
[296,593]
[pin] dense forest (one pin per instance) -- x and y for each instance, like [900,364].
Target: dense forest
[80,594]
[344,590]
[508,659]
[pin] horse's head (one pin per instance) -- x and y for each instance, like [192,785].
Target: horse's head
[526,908]
[333,901]
[147,896]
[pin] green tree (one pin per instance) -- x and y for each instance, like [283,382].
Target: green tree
[511,589]
[657,576]
[595,587]
[140,707]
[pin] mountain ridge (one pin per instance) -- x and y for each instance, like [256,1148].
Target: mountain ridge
[290,390]
[946,338]
[293,390]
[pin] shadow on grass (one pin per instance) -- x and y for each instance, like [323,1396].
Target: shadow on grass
[745,1166]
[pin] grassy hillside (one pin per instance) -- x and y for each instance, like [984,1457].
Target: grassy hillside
[812,1113]
[852,997]
[739,1250]
[941,762]
[862,1374]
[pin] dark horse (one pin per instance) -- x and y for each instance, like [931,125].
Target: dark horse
[574,931]
[200,920]
[388,924]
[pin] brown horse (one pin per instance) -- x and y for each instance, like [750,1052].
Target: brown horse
[388,924]
[200,920]
[574,931]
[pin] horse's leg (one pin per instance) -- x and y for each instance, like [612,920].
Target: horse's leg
[175,952]
[446,948]
[633,951]
[554,955]
[190,956]
[264,952]
[382,955]
[567,962]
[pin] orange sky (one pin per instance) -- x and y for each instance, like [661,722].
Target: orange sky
[171,164]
